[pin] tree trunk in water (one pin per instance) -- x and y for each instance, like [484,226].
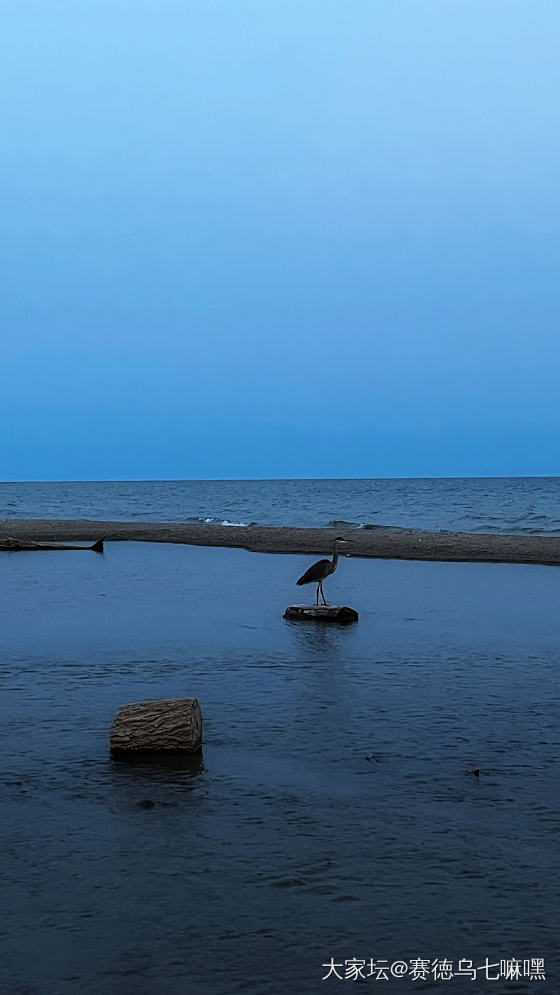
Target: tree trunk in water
[157,726]
[321,613]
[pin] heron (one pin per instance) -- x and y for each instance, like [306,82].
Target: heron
[321,570]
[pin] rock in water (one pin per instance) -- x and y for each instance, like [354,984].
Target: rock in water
[157,727]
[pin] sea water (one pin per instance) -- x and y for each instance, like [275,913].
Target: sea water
[529,505]
[333,813]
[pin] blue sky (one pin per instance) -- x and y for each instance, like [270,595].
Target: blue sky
[281,238]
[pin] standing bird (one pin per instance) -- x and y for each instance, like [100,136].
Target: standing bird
[320,570]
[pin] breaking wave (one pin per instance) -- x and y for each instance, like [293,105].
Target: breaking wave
[196,520]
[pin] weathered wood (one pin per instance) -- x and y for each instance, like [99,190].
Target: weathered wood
[321,613]
[157,726]
[10,545]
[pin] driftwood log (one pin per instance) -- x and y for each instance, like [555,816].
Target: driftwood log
[157,727]
[321,613]
[10,545]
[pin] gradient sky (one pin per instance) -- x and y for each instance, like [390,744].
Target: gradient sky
[259,238]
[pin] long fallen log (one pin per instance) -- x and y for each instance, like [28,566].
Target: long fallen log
[10,545]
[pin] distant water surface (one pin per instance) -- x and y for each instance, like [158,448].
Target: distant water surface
[522,505]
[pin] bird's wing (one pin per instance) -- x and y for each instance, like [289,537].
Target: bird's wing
[315,573]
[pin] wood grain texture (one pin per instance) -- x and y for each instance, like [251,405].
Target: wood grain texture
[152,726]
[321,613]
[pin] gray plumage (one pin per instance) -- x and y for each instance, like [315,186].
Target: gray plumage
[321,570]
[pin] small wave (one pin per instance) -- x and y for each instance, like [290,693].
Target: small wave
[197,520]
[526,530]
[340,523]
[369,527]
[529,530]
[487,526]
[529,516]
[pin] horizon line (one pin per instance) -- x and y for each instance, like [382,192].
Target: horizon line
[200,480]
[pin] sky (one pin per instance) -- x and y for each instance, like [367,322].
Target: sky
[292,238]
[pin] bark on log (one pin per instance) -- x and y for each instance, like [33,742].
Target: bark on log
[157,727]
[321,613]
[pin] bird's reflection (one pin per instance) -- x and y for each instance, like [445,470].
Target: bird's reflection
[318,639]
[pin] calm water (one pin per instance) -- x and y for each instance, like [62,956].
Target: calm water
[514,504]
[287,846]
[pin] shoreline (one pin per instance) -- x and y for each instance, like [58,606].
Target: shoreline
[402,544]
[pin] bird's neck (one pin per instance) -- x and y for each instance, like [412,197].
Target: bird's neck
[335,555]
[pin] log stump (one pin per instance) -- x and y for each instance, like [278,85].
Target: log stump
[157,727]
[321,613]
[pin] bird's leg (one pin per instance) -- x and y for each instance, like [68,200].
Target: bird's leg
[317,599]
[323,594]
